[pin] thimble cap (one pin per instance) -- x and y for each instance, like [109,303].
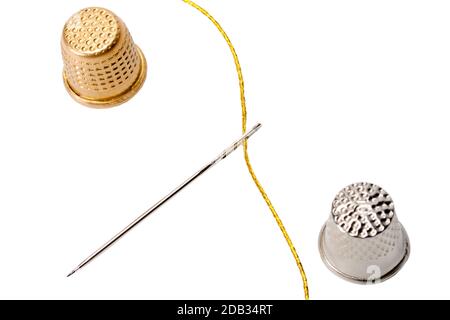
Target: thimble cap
[363,210]
[102,65]
[92,32]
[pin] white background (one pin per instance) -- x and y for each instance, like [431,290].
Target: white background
[347,91]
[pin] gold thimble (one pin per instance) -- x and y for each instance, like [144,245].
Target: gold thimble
[102,65]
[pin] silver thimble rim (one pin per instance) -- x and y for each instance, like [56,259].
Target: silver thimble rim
[362,281]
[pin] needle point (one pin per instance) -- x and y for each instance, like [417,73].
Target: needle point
[72,273]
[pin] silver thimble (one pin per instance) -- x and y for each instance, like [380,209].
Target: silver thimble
[363,241]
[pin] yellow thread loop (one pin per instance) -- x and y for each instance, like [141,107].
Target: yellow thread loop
[246,155]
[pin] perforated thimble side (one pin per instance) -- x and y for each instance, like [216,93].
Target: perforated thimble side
[102,65]
[363,240]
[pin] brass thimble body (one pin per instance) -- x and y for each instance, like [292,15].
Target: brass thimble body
[102,65]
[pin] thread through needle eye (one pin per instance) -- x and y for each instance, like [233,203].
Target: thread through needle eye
[169,196]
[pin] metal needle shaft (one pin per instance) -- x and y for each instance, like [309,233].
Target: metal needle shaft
[161,202]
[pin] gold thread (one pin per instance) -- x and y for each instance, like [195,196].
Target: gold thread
[246,155]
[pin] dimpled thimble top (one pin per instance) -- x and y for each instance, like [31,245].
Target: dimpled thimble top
[92,32]
[102,65]
[363,210]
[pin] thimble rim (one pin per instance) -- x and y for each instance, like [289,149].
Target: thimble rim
[115,100]
[386,276]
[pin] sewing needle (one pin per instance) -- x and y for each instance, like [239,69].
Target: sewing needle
[161,202]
